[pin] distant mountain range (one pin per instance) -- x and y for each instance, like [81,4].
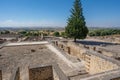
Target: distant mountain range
[30,28]
[104,27]
[49,28]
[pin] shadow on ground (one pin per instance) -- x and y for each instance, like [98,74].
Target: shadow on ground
[95,43]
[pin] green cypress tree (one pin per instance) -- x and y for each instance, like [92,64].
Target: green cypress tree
[76,25]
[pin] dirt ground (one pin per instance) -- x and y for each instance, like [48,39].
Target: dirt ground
[24,56]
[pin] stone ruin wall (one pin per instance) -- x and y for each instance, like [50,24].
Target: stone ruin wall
[96,64]
[0,74]
[93,64]
[42,73]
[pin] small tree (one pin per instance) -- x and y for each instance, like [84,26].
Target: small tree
[57,34]
[76,27]
[7,32]
[62,34]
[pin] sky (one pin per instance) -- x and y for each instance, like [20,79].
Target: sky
[23,13]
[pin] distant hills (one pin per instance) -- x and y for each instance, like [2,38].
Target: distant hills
[104,27]
[31,28]
[49,28]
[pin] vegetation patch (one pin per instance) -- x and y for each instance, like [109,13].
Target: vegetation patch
[103,32]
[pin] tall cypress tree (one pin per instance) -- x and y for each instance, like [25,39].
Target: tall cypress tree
[76,25]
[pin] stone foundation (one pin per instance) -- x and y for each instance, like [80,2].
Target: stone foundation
[41,73]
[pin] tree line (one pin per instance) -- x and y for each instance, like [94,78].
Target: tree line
[104,32]
[5,32]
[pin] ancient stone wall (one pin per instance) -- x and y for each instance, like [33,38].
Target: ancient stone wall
[41,73]
[94,64]
[76,50]
[97,65]
[0,74]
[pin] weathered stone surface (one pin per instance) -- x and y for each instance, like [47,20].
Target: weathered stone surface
[41,73]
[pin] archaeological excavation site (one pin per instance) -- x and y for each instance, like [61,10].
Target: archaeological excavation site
[60,60]
[59,39]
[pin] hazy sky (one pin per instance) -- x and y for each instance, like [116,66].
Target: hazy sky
[55,12]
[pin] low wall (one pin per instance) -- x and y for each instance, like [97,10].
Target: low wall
[41,73]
